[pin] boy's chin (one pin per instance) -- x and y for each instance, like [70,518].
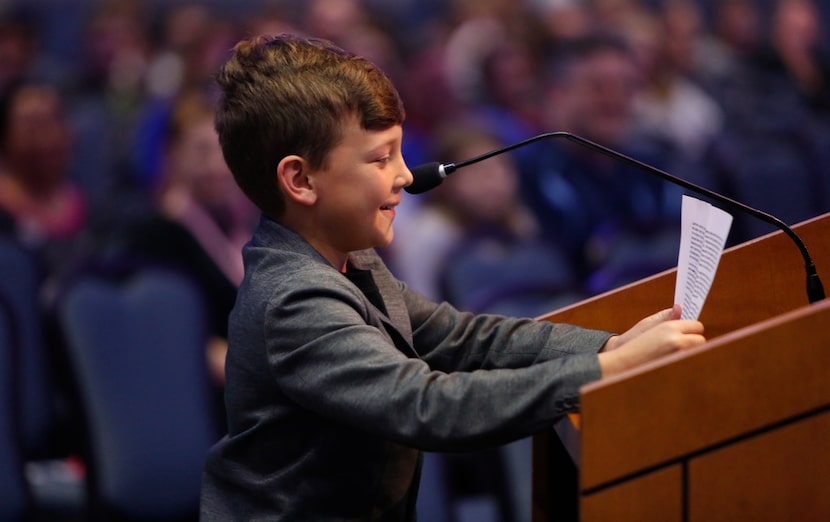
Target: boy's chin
[385,241]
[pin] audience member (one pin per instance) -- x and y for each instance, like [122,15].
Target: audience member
[46,213]
[39,204]
[198,223]
[672,106]
[193,42]
[493,74]
[104,97]
[795,38]
[608,215]
[734,35]
[563,20]
[18,42]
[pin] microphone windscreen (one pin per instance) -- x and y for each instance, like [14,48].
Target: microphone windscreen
[425,177]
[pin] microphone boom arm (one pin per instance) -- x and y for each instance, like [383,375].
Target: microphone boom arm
[815,289]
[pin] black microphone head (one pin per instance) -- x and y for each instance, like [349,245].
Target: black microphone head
[426,177]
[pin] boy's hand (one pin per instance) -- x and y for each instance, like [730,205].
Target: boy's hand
[651,338]
[643,325]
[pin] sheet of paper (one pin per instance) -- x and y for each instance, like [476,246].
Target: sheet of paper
[704,229]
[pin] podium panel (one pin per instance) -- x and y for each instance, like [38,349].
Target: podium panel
[721,408]
[755,377]
[779,476]
[736,429]
[656,496]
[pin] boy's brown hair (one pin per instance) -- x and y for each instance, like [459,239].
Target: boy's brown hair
[283,95]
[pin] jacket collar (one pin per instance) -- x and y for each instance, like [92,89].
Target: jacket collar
[396,316]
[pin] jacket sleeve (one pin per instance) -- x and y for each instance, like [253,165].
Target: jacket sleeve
[328,357]
[452,340]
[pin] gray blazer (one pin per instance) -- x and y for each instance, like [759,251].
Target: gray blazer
[336,382]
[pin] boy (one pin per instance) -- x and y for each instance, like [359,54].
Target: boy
[338,374]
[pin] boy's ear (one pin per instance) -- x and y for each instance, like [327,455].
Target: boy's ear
[292,176]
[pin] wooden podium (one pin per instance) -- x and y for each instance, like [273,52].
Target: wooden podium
[738,429]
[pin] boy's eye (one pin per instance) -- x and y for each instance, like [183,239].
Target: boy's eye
[384,160]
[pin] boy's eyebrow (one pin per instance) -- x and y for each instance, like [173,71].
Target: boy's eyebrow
[382,147]
[389,142]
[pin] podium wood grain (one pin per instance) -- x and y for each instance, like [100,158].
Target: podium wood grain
[763,372]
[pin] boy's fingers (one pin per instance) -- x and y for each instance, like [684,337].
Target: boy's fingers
[667,314]
[691,326]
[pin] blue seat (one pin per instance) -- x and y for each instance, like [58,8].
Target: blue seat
[488,274]
[34,388]
[632,257]
[137,347]
[15,500]
[780,168]
[20,281]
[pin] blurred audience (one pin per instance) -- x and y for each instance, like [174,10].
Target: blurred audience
[197,223]
[106,140]
[776,133]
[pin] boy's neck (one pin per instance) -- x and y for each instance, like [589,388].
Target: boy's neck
[300,226]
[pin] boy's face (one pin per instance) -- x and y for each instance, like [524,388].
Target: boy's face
[358,190]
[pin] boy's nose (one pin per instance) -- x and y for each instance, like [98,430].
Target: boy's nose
[406,176]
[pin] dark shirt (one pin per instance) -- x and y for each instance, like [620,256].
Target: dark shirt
[590,204]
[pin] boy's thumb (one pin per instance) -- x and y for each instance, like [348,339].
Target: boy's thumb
[673,312]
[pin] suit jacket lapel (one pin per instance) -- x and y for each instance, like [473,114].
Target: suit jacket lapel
[396,318]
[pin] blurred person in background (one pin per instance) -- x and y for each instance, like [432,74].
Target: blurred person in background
[18,49]
[39,205]
[734,35]
[609,216]
[795,40]
[192,40]
[199,193]
[563,20]
[104,99]
[492,71]
[672,105]
[783,70]
[196,224]
[477,218]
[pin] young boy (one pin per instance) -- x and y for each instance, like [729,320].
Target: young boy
[337,374]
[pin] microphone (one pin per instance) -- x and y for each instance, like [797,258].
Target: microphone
[430,175]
